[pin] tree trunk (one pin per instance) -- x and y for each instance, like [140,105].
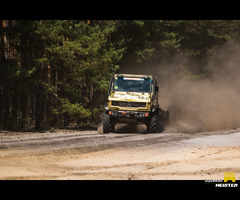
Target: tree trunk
[39,101]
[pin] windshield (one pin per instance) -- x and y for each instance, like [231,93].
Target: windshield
[128,84]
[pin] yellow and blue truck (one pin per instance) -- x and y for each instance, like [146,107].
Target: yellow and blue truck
[134,99]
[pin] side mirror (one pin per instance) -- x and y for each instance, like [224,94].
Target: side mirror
[156,88]
[110,84]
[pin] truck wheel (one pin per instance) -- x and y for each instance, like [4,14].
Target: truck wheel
[152,124]
[108,125]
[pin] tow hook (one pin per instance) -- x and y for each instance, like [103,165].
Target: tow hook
[124,113]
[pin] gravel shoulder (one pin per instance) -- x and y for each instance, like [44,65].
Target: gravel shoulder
[125,155]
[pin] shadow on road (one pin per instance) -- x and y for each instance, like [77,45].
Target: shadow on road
[130,128]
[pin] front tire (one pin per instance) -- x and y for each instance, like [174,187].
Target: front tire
[155,124]
[108,125]
[152,124]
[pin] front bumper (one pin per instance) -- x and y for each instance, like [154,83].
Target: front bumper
[128,114]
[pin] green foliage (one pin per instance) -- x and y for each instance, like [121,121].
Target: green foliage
[84,58]
[76,110]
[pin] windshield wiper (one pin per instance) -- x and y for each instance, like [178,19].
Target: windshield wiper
[120,90]
[134,91]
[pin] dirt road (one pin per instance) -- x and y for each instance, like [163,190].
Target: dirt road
[127,154]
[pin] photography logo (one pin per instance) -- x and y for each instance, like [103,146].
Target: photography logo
[229,180]
[229,176]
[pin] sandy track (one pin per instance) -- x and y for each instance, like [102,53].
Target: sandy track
[66,154]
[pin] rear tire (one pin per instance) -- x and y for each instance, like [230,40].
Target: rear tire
[108,125]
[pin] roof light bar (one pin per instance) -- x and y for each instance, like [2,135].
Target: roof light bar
[133,79]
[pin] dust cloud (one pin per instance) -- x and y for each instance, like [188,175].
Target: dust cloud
[206,104]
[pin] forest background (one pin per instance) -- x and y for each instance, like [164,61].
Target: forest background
[55,73]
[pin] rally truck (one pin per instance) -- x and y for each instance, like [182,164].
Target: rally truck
[134,99]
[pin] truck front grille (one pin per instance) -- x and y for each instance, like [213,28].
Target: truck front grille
[128,104]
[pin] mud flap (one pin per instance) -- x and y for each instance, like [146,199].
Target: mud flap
[163,114]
